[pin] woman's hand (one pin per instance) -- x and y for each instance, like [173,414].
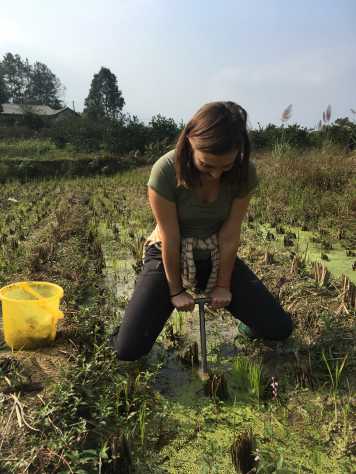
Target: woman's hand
[219,297]
[183,302]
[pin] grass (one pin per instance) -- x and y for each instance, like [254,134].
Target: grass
[96,415]
[247,375]
[312,189]
[89,404]
[34,148]
[335,369]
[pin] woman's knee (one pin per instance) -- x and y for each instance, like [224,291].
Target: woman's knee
[125,351]
[127,355]
[283,329]
[289,326]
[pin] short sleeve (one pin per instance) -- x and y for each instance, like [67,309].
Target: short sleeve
[252,182]
[163,178]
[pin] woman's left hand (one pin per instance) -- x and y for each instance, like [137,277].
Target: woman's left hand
[220,297]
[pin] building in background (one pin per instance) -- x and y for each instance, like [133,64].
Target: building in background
[19,111]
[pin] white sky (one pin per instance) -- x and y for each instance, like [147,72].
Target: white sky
[172,56]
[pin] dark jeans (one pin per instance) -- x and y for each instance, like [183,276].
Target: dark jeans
[150,306]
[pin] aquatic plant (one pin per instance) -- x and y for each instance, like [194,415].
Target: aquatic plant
[335,367]
[242,452]
[248,377]
[347,296]
[190,355]
[216,386]
[321,274]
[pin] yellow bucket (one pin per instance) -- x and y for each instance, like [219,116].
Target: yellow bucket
[30,312]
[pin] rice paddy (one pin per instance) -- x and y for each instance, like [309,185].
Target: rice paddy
[277,408]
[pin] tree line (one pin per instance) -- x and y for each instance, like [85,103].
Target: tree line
[25,83]
[35,84]
[104,126]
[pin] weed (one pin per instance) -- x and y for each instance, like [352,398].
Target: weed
[281,148]
[142,418]
[136,246]
[335,369]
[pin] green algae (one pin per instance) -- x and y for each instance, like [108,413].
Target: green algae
[203,434]
[200,430]
[197,432]
[338,263]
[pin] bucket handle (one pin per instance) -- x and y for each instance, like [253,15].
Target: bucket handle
[58,314]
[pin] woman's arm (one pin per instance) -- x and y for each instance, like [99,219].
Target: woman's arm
[165,213]
[229,240]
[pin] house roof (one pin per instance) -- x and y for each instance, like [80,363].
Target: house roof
[21,109]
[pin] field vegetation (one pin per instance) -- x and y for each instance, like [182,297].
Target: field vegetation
[284,407]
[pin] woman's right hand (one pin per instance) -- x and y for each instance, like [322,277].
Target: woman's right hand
[183,302]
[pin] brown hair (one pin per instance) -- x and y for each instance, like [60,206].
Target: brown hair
[217,128]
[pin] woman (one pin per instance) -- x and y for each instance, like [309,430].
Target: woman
[199,194]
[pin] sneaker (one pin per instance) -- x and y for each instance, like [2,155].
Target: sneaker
[244,331]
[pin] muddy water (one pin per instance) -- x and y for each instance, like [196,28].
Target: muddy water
[221,331]
[175,379]
[222,348]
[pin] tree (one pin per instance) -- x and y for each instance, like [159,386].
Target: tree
[105,99]
[27,84]
[4,94]
[44,87]
[163,128]
[125,135]
[16,74]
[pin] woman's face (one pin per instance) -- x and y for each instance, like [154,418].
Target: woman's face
[213,166]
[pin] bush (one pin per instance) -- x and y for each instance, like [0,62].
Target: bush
[293,135]
[154,150]
[19,132]
[124,136]
[161,128]
[83,133]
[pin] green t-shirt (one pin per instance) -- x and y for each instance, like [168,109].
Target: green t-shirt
[197,219]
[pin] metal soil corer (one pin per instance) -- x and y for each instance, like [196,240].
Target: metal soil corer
[215,384]
[201,301]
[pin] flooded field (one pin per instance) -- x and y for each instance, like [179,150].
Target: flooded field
[338,255]
[76,408]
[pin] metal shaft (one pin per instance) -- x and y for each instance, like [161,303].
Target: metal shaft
[204,363]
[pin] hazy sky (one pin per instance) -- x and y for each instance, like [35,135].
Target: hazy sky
[172,56]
